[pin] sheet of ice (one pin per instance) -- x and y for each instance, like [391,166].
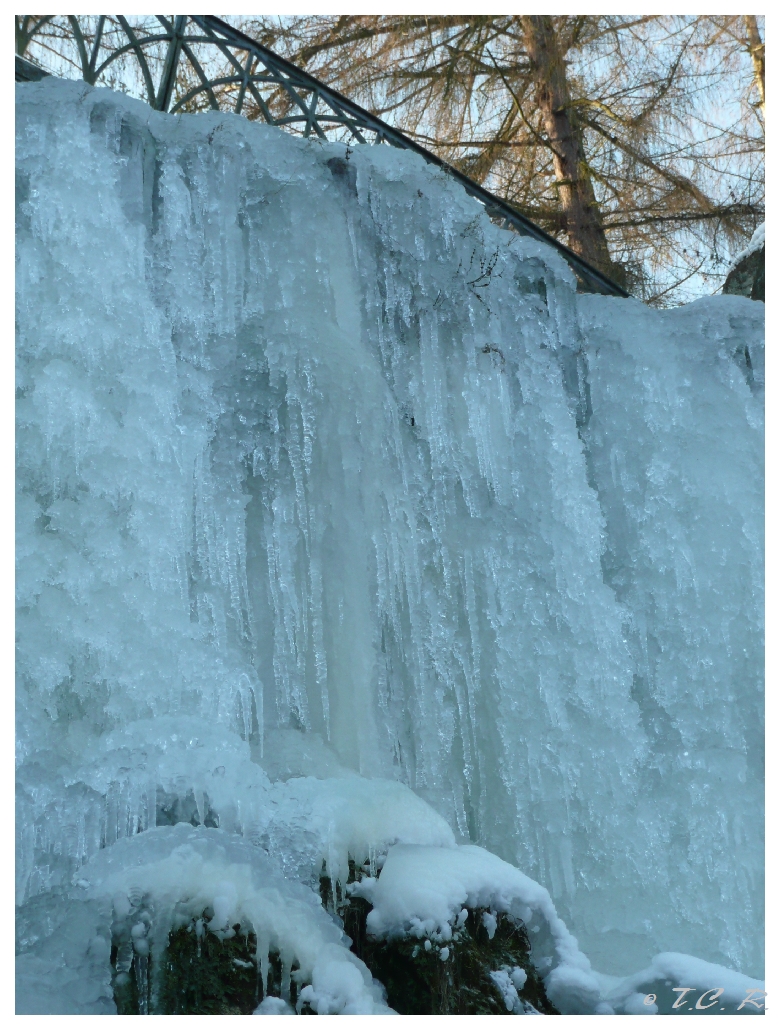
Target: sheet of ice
[320,471]
[679,474]
[63,950]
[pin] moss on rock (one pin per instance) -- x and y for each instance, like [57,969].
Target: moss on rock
[420,981]
[202,975]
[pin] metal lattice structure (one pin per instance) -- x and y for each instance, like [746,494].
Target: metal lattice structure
[187,63]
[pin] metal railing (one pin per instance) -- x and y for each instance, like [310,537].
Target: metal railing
[196,62]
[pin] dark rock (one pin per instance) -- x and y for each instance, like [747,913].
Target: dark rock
[418,982]
[747,278]
[202,975]
[343,172]
[26,71]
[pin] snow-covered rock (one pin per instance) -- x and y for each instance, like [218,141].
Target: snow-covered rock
[747,274]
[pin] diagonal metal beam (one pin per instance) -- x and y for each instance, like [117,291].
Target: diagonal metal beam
[591,277]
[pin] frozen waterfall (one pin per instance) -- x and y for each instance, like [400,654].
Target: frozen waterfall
[343,522]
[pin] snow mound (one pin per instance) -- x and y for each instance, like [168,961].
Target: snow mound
[421,892]
[674,981]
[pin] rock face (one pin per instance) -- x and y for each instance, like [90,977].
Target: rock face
[201,975]
[746,278]
[485,970]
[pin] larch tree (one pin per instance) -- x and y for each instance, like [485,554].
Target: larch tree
[634,139]
[563,134]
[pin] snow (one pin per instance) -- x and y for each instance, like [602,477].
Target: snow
[345,526]
[274,1007]
[674,970]
[509,982]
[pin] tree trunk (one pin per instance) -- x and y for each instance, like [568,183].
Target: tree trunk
[585,232]
[756,53]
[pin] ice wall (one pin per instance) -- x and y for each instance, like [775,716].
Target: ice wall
[321,472]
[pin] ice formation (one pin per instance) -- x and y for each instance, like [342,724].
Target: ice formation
[345,523]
